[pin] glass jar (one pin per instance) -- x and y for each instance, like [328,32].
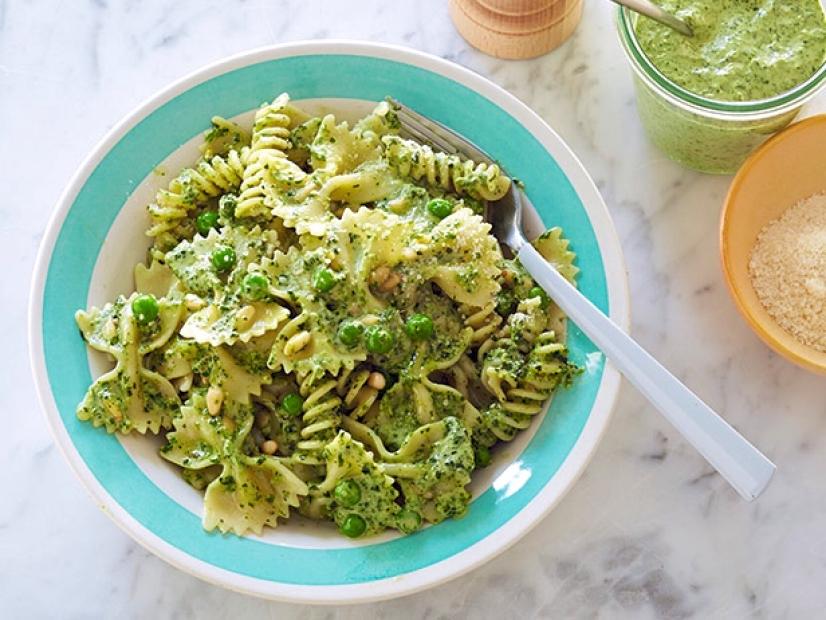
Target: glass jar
[705,134]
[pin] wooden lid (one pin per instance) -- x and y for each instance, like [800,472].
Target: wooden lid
[515,29]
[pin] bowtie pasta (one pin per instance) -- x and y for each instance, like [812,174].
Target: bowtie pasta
[325,324]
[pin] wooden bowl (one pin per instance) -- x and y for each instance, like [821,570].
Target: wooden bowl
[789,167]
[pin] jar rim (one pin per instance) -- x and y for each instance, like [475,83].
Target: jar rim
[683,97]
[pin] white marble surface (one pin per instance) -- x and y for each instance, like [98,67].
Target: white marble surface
[648,532]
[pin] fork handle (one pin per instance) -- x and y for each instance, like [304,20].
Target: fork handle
[739,462]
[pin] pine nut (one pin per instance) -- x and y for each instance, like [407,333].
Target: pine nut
[184,383]
[214,399]
[296,343]
[390,282]
[193,302]
[269,447]
[376,380]
[244,317]
[370,319]
[380,274]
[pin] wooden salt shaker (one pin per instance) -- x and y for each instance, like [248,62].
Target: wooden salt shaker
[516,29]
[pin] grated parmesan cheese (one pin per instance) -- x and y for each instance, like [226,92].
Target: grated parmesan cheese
[788,270]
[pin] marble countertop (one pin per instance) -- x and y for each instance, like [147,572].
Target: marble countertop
[648,532]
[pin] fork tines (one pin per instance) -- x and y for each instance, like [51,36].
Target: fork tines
[423,129]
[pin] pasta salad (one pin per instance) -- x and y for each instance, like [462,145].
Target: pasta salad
[325,324]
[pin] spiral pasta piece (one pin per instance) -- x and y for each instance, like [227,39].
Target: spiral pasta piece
[462,374]
[420,162]
[267,157]
[545,368]
[192,188]
[496,380]
[357,395]
[484,321]
[320,418]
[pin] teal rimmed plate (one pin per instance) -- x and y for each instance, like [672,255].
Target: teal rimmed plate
[95,237]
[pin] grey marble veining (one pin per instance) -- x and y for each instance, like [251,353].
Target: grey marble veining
[649,531]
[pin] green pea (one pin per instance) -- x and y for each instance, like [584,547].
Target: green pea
[353,526]
[347,493]
[482,455]
[255,285]
[206,221]
[324,280]
[349,332]
[440,207]
[145,308]
[419,327]
[544,300]
[379,340]
[292,403]
[223,258]
[408,521]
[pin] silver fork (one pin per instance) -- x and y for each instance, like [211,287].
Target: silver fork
[739,462]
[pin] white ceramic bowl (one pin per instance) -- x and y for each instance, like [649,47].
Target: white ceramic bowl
[95,237]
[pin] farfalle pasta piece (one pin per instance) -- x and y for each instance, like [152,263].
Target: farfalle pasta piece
[432,467]
[305,345]
[381,239]
[416,399]
[251,491]
[128,397]
[347,167]
[464,258]
[457,253]
[227,315]
[371,495]
[308,342]
[233,320]
[409,404]
[239,374]
[157,280]
[337,149]
[194,262]
[434,481]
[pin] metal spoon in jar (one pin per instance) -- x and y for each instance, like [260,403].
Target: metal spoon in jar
[649,9]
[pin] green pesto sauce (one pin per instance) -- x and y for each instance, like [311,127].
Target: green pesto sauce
[742,50]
